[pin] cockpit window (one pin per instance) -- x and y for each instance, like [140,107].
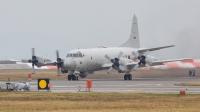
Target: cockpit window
[75,55]
[79,55]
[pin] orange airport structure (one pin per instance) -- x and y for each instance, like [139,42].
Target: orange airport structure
[88,85]
[182,92]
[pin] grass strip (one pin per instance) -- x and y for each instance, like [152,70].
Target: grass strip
[95,102]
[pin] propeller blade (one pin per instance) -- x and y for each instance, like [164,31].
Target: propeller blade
[121,68]
[33,69]
[148,66]
[58,71]
[108,57]
[57,53]
[33,51]
[135,53]
[58,63]
[120,54]
[136,66]
[110,70]
[146,53]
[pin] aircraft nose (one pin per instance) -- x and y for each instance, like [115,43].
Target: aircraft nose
[70,64]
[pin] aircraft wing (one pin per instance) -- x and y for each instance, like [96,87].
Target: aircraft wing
[50,63]
[158,62]
[153,49]
[161,62]
[132,64]
[108,65]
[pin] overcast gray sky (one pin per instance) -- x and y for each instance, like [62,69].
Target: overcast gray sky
[48,25]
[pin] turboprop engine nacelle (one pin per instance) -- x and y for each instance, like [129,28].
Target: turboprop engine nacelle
[40,61]
[149,59]
[123,62]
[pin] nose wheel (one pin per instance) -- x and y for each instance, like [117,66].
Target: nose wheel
[127,77]
[73,77]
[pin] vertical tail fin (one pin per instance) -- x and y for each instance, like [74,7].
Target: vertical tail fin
[133,40]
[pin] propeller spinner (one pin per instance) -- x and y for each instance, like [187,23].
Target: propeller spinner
[142,60]
[34,61]
[115,62]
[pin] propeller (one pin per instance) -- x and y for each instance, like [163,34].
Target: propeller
[141,60]
[115,62]
[135,54]
[59,63]
[34,60]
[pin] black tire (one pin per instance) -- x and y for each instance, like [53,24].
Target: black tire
[69,77]
[125,77]
[73,77]
[77,78]
[129,77]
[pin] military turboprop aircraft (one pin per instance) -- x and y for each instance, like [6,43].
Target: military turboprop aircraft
[81,62]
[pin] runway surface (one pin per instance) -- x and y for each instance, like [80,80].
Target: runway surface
[138,85]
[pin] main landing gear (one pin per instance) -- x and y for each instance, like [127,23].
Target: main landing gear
[73,77]
[127,77]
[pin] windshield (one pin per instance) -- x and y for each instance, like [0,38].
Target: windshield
[79,55]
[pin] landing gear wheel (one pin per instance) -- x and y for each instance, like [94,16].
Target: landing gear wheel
[73,77]
[69,77]
[125,77]
[129,77]
[77,78]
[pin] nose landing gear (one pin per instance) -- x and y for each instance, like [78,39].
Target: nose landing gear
[73,77]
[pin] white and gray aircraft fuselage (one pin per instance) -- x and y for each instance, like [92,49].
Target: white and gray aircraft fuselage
[84,61]
[93,59]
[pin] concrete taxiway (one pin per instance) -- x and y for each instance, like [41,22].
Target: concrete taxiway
[137,85]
